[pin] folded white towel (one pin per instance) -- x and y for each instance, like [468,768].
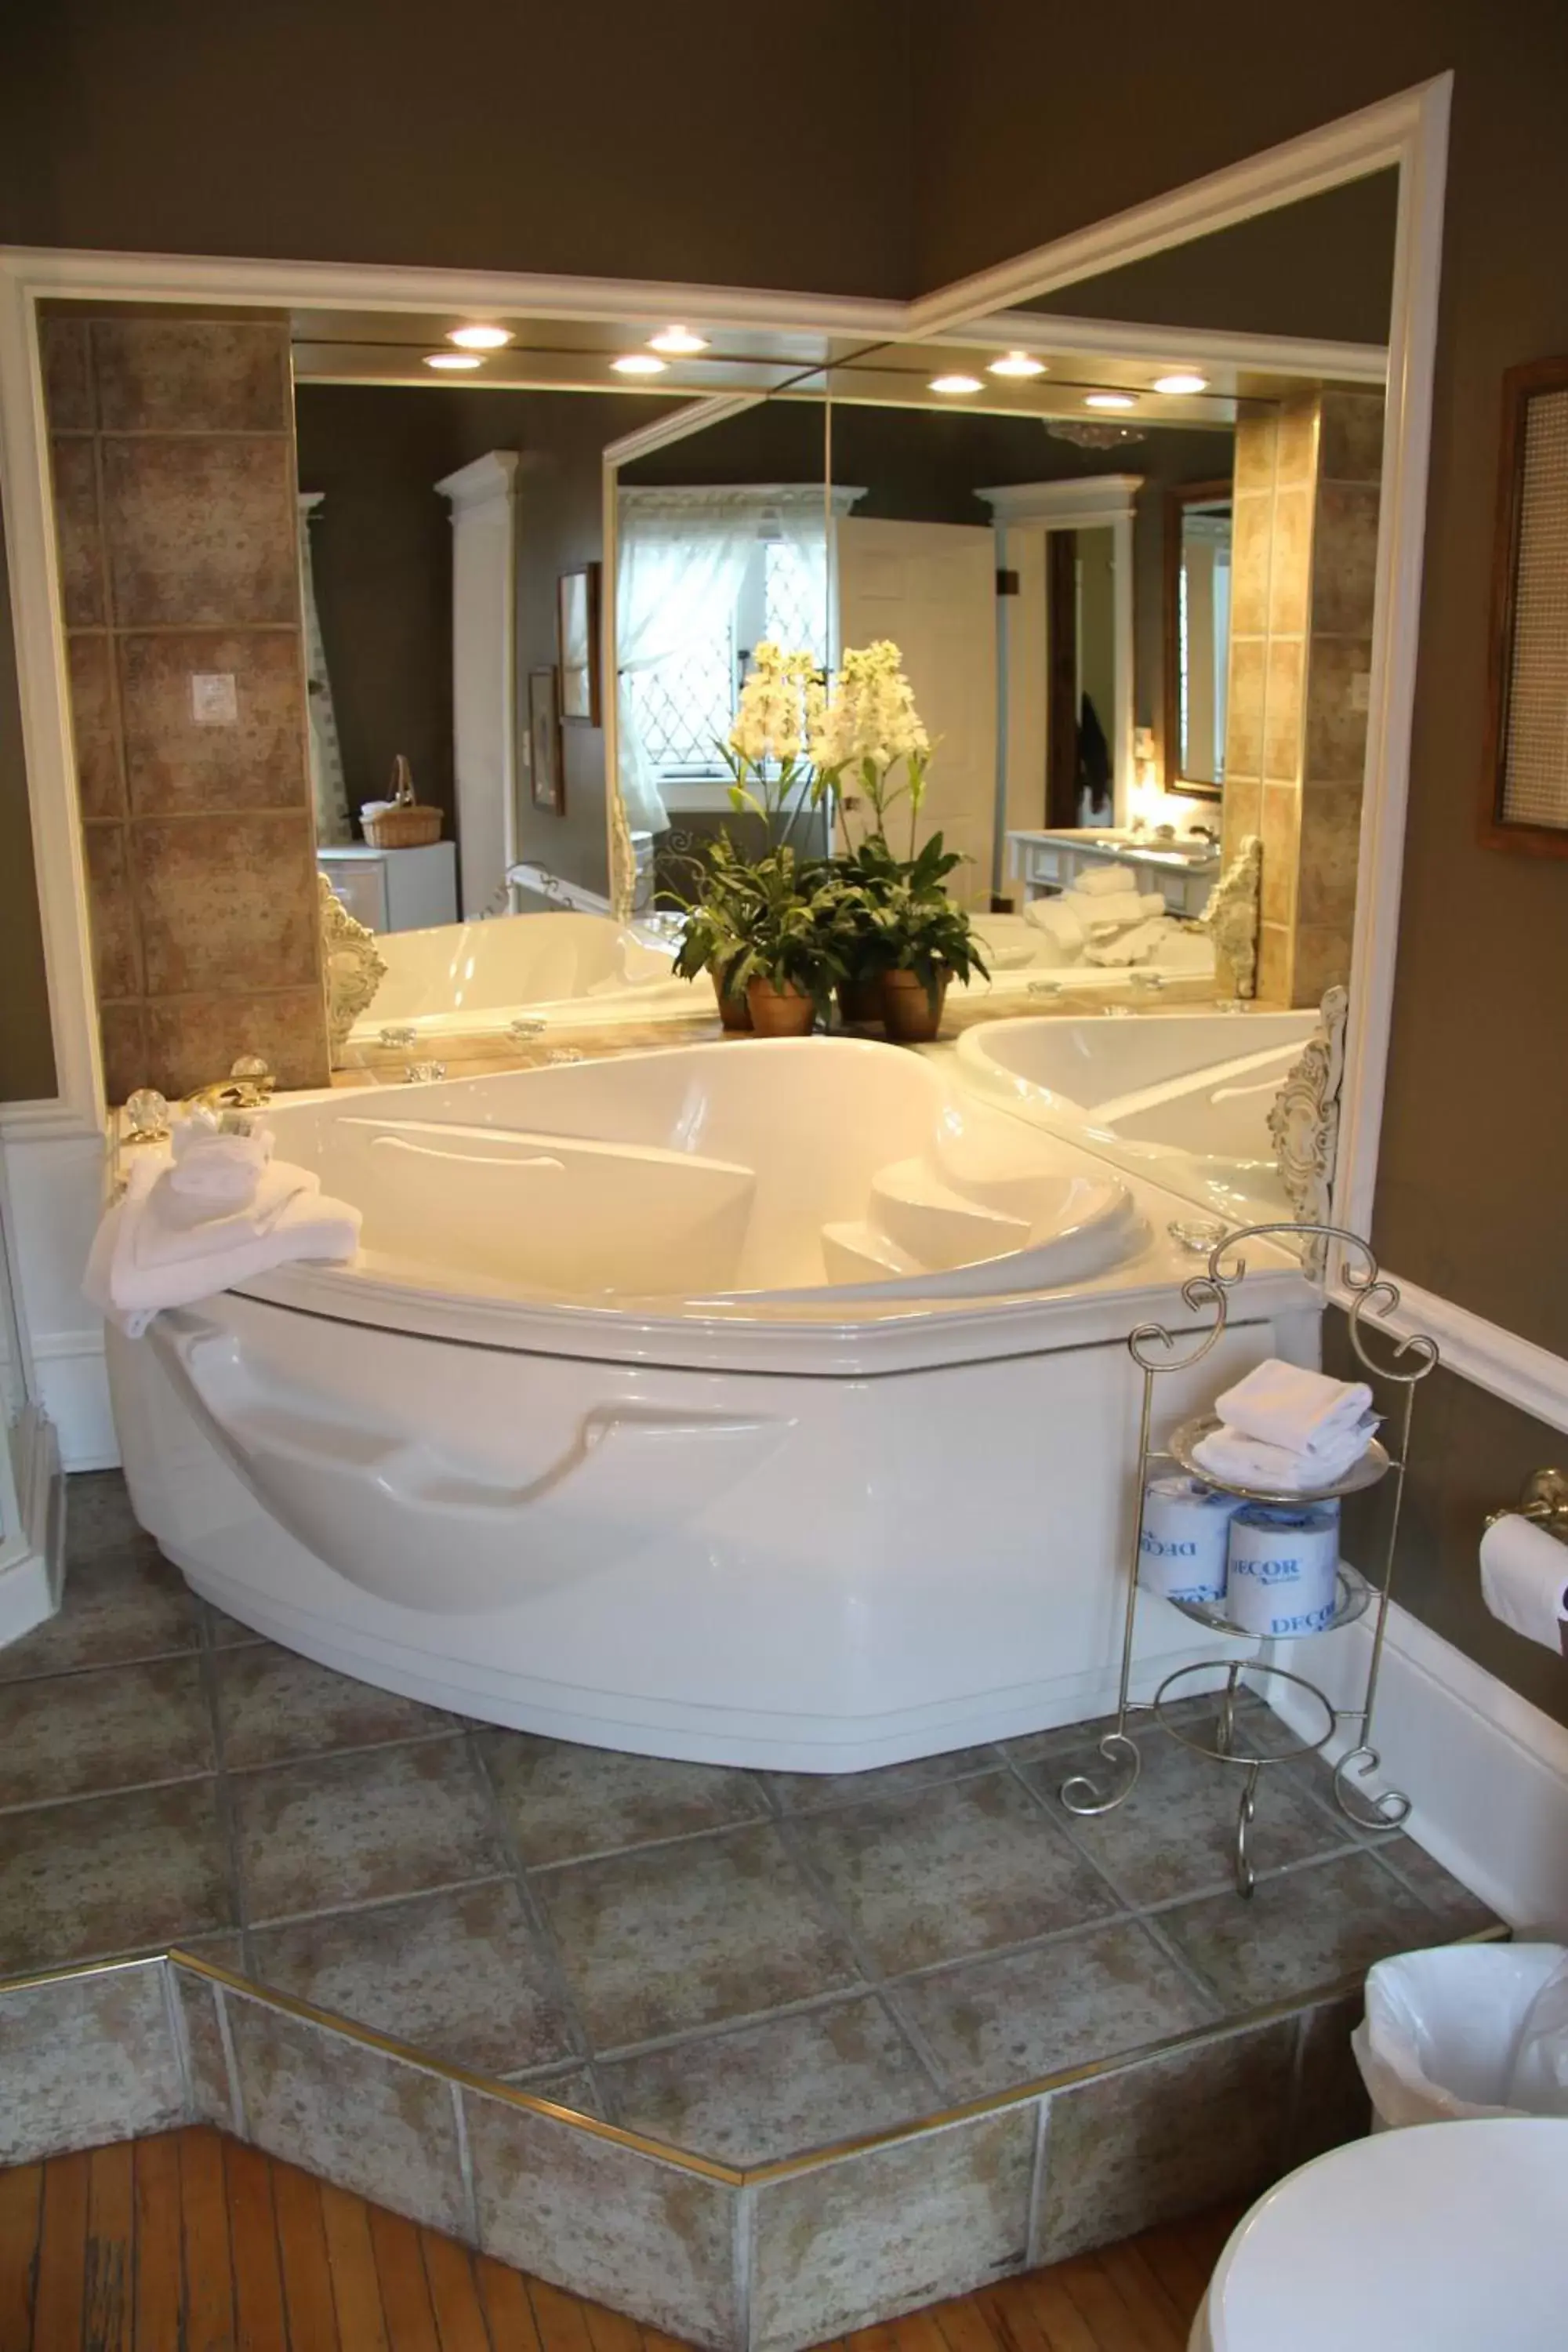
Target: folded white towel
[1134,946]
[149,1252]
[1235,1459]
[1058,920]
[1306,1412]
[1102,881]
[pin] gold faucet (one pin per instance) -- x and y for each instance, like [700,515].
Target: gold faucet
[249,1086]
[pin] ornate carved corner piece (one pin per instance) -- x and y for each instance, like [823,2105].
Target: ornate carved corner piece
[1231,918]
[352,967]
[1304,1119]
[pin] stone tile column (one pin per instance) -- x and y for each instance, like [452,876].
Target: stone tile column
[173,447]
[1304,559]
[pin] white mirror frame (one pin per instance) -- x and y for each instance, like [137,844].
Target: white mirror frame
[1408,132]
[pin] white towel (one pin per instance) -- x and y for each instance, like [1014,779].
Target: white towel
[149,1253]
[214,1163]
[1058,920]
[1235,1459]
[1134,946]
[1285,1405]
[1101,881]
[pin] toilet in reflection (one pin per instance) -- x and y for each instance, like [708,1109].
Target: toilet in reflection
[1445,2236]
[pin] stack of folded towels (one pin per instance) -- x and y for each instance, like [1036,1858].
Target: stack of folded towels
[1288,1432]
[1103,919]
[215,1210]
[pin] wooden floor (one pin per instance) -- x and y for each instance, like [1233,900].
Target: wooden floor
[191,2242]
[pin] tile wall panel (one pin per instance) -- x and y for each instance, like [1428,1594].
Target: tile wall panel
[176,528]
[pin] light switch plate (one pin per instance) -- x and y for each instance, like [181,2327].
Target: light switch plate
[214,701]
[1361,690]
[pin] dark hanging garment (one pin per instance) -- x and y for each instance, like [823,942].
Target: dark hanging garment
[1093,756]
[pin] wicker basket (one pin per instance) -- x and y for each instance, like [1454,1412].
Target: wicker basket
[408,826]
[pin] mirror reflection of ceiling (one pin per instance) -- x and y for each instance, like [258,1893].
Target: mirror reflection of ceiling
[1322,268]
[981,368]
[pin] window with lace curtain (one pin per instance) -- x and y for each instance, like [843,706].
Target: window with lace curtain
[684,705]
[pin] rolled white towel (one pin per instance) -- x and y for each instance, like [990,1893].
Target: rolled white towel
[1235,1459]
[1150,904]
[1105,881]
[1285,1405]
[214,1166]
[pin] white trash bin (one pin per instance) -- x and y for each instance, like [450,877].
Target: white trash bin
[1467,2030]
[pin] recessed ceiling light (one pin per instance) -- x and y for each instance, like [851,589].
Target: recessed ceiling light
[480,339]
[956,383]
[1016,363]
[678,341]
[638,364]
[1181,382]
[455,361]
[1109,400]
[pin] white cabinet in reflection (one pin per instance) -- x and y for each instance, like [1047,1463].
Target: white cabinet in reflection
[395,889]
[1047,862]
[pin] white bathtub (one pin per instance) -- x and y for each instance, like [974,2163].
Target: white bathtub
[759,1402]
[1183,1098]
[556,968]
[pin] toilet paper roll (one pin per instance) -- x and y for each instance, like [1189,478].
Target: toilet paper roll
[1524,1579]
[1181,1550]
[1280,1578]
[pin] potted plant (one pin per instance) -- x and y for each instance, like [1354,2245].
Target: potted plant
[871,881]
[925,942]
[711,941]
[758,926]
[788,962]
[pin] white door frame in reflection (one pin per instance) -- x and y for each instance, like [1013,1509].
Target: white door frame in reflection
[1408,132]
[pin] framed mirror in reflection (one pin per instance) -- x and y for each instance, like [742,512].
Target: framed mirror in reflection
[1197,603]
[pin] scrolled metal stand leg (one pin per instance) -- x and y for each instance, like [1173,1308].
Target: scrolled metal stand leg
[1078,1793]
[1385,1811]
[1246,1879]
[1388,1810]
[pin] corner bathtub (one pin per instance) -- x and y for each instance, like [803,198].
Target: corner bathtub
[553,969]
[760,1404]
[1182,1098]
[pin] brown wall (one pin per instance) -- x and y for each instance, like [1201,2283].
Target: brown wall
[601,138]
[171,450]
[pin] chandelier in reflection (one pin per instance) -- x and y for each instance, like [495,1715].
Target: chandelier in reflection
[1084,435]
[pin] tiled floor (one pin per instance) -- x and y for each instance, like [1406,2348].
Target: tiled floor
[745,1964]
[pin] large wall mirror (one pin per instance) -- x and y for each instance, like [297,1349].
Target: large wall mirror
[1129,572]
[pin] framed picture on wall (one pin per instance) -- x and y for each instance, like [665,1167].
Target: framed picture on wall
[577,645]
[1525,780]
[544,742]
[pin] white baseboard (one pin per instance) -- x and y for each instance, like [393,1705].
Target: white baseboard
[73,1388]
[1487,1772]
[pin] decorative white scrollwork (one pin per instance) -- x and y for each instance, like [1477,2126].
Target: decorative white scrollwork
[1304,1121]
[352,969]
[1231,918]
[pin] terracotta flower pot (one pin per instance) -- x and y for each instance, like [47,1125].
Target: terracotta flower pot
[734,1013]
[860,999]
[908,1015]
[780,1011]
